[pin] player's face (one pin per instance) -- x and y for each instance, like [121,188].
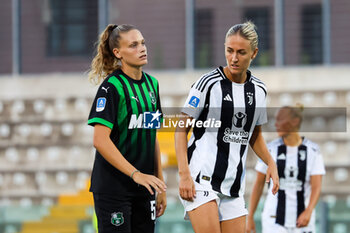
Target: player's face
[284,122]
[238,53]
[132,51]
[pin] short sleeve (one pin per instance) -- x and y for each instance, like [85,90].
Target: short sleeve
[318,167]
[261,166]
[105,106]
[195,102]
[262,114]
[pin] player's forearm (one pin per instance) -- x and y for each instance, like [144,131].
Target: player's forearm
[256,194]
[181,151]
[258,145]
[158,172]
[109,151]
[316,182]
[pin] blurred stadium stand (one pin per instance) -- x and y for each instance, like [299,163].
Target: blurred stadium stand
[46,152]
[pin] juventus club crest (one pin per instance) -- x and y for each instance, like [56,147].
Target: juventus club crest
[117,219]
[250,96]
[302,155]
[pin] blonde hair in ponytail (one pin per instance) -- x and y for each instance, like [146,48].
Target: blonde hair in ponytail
[296,112]
[247,31]
[105,62]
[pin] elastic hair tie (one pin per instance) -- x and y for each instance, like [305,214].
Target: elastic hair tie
[115,26]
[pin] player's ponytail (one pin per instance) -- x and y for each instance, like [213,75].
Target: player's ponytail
[105,62]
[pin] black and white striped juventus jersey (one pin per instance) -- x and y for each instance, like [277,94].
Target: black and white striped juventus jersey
[295,166]
[217,156]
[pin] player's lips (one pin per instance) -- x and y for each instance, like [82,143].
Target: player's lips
[143,57]
[235,66]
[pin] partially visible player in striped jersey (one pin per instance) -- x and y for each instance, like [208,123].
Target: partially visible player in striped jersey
[300,168]
[212,164]
[127,168]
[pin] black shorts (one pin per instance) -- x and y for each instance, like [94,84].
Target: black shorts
[125,214]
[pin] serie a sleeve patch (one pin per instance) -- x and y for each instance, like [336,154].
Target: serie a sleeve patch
[100,104]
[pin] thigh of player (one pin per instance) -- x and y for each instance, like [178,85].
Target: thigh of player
[232,214]
[113,213]
[203,211]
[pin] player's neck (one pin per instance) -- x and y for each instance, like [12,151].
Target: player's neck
[132,72]
[292,139]
[237,78]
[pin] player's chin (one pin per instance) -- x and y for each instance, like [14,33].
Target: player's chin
[143,62]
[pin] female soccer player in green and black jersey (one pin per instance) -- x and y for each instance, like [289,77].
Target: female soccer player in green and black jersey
[125,115]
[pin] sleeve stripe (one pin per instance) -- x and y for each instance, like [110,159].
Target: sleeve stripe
[215,78]
[262,86]
[204,77]
[100,121]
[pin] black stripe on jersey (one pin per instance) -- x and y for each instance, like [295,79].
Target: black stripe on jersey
[139,109]
[250,103]
[281,196]
[129,109]
[198,132]
[148,132]
[199,84]
[302,162]
[201,88]
[223,151]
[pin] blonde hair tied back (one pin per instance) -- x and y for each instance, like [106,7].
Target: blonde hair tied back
[247,30]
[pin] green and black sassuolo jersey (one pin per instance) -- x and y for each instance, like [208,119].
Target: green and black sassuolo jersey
[131,109]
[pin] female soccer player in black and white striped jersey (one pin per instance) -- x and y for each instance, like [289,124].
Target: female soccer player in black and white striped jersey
[127,169]
[300,167]
[212,164]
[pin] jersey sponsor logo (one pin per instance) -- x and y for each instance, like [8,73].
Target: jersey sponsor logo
[153,97]
[239,119]
[291,179]
[194,101]
[146,120]
[228,98]
[117,219]
[100,104]
[105,89]
[206,193]
[236,134]
[250,96]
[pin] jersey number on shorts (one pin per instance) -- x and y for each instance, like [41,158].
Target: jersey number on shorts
[153,210]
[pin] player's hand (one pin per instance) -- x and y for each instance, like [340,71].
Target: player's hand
[149,182]
[273,174]
[186,187]
[304,218]
[250,225]
[160,203]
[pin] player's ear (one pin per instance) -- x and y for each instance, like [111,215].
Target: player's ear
[255,53]
[116,53]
